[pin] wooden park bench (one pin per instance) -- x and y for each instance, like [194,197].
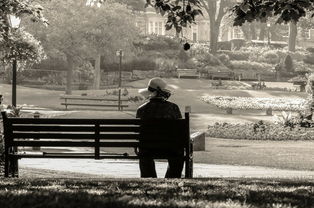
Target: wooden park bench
[221,75]
[188,73]
[258,86]
[159,135]
[92,101]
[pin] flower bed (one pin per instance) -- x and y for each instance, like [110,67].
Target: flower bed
[243,103]
[251,131]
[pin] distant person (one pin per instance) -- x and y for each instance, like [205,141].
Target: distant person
[157,106]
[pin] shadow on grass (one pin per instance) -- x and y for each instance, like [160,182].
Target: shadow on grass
[155,193]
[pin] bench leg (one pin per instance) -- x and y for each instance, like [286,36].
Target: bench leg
[6,163]
[14,167]
[189,163]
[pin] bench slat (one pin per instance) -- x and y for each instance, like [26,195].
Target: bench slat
[74,121]
[73,144]
[91,98]
[92,104]
[31,128]
[91,156]
[75,136]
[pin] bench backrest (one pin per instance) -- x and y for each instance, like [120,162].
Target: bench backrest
[96,133]
[92,98]
[187,71]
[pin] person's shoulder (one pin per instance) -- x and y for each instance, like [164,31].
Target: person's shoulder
[171,103]
[143,105]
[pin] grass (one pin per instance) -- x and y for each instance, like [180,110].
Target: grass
[163,193]
[294,155]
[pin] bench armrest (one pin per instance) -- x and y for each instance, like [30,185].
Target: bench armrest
[198,140]
[194,136]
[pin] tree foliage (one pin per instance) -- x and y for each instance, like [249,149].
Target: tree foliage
[20,8]
[22,46]
[94,30]
[285,10]
[180,13]
[17,43]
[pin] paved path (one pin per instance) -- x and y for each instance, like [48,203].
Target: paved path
[130,169]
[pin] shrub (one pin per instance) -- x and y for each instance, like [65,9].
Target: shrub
[237,43]
[310,49]
[252,66]
[270,57]
[288,63]
[224,58]
[236,55]
[309,59]
[205,59]
[224,45]
[158,43]
[259,131]
[142,64]
[189,64]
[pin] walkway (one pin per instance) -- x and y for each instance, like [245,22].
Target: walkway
[130,169]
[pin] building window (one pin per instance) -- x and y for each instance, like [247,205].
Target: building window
[156,28]
[237,33]
[160,29]
[151,28]
[306,34]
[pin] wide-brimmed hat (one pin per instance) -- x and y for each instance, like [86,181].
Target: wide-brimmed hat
[154,85]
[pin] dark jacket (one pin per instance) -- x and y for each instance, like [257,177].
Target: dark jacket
[158,108]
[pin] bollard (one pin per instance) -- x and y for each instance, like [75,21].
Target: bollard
[188,109]
[36,115]
[229,110]
[269,111]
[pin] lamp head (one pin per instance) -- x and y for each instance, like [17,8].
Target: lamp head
[14,21]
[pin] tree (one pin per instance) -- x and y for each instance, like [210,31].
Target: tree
[285,11]
[95,32]
[182,13]
[216,10]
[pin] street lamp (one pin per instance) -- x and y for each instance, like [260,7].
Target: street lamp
[14,23]
[268,33]
[119,53]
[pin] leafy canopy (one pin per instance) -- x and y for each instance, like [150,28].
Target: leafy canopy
[285,10]
[179,13]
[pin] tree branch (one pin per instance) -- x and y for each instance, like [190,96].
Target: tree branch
[221,11]
[205,6]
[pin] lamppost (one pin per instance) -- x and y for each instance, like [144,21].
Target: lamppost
[119,53]
[268,33]
[14,23]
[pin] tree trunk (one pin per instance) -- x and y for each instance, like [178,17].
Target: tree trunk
[69,79]
[253,31]
[214,32]
[292,36]
[262,32]
[246,29]
[97,77]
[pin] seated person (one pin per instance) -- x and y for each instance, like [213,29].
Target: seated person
[157,106]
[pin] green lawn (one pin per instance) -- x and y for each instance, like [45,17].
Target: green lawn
[297,155]
[127,193]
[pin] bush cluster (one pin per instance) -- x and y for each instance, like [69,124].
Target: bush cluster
[236,55]
[259,131]
[252,66]
[269,57]
[158,43]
